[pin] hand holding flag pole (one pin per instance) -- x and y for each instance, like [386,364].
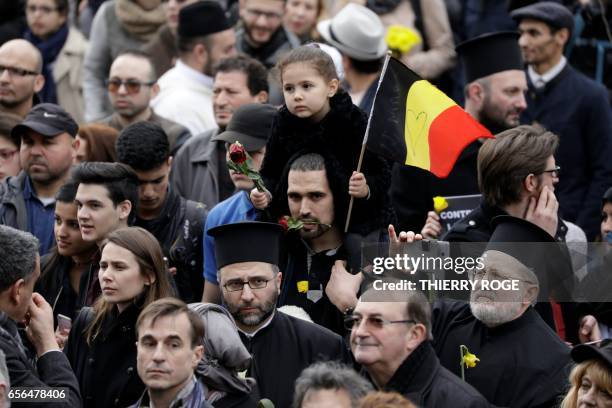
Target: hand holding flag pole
[416,124]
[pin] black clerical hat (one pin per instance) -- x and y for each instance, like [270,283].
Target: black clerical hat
[489,54]
[585,352]
[247,242]
[202,18]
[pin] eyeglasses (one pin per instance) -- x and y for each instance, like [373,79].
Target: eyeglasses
[553,172]
[179,2]
[255,14]
[14,71]
[254,283]
[374,322]
[6,154]
[43,9]
[132,86]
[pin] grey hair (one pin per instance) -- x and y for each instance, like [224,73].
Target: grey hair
[18,260]
[330,376]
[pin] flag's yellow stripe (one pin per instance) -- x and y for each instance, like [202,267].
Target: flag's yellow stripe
[424,103]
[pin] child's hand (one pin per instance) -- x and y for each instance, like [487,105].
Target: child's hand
[358,187]
[260,200]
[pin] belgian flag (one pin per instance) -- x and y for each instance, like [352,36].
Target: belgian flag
[414,123]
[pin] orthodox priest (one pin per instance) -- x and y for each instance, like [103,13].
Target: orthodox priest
[282,346]
[523,363]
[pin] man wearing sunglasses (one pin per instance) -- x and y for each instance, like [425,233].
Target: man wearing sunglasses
[247,255]
[391,338]
[131,84]
[20,76]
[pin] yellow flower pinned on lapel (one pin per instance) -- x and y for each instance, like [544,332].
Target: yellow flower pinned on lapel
[302,286]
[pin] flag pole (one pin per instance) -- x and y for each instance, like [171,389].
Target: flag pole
[366,135]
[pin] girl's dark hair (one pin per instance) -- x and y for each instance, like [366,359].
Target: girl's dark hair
[607,197]
[313,55]
[100,142]
[150,258]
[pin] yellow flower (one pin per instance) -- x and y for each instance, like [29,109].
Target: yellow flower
[401,39]
[302,286]
[440,204]
[470,360]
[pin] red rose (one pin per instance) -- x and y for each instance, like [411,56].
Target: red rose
[283,223]
[237,153]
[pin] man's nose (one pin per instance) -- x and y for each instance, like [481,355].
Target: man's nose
[247,293]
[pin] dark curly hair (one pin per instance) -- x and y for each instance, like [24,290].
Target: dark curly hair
[143,146]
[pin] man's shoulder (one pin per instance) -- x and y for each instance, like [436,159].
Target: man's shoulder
[226,210]
[198,145]
[11,187]
[462,393]
[168,125]
[474,227]
[307,332]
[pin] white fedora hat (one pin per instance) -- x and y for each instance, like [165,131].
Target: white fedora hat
[356,31]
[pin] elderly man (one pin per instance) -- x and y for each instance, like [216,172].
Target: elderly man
[391,339]
[48,148]
[19,269]
[199,171]
[282,346]
[132,83]
[204,38]
[571,105]
[20,76]
[169,348]
[523,363]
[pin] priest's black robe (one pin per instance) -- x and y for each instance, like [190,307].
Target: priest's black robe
[523,363]
[283,348]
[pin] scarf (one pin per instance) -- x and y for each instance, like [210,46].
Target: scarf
[140,23]
[50,49]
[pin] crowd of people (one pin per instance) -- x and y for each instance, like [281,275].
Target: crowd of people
[141,265]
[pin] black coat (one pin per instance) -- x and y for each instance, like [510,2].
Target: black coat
[523,363]
[106,371]
[339,135]
[577,109]
[427,384]
[285,347]
[52,369]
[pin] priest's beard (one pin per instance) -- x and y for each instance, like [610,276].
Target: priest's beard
[495,313]
[263,310]
[493,118]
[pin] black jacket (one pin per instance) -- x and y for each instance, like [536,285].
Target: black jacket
[106,370]
[52,369]
[179,229]
[339,135]
[427,384]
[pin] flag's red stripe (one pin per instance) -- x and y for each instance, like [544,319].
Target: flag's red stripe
[449,133]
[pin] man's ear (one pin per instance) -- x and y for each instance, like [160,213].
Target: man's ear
[198,353]
[170,158]
[416,335]
[531,183]
[154,90]
[261,97]
[562,36]
[15,291]
[279,280]
[125,208]
[476,93]
[531,294]
[76,143]
[39,82]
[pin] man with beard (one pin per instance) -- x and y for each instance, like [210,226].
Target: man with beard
[494,95]
[132,83]
[313,250]
[175,222]
[250,126]
[199,171]
[20,76]
[522,362]
[247,255]
[204,38]
[48,148]
[263,35]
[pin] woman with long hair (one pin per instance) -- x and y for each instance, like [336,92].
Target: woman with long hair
[62,267]
[102,343]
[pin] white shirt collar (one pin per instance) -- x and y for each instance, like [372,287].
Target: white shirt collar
[193,74]
[539,81]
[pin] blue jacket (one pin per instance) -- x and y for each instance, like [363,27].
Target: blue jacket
[577,109]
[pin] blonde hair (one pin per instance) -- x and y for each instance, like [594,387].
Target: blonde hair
[599,373]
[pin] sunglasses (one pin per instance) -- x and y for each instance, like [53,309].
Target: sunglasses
[132,86]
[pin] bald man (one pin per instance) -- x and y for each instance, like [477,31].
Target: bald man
[20,76]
